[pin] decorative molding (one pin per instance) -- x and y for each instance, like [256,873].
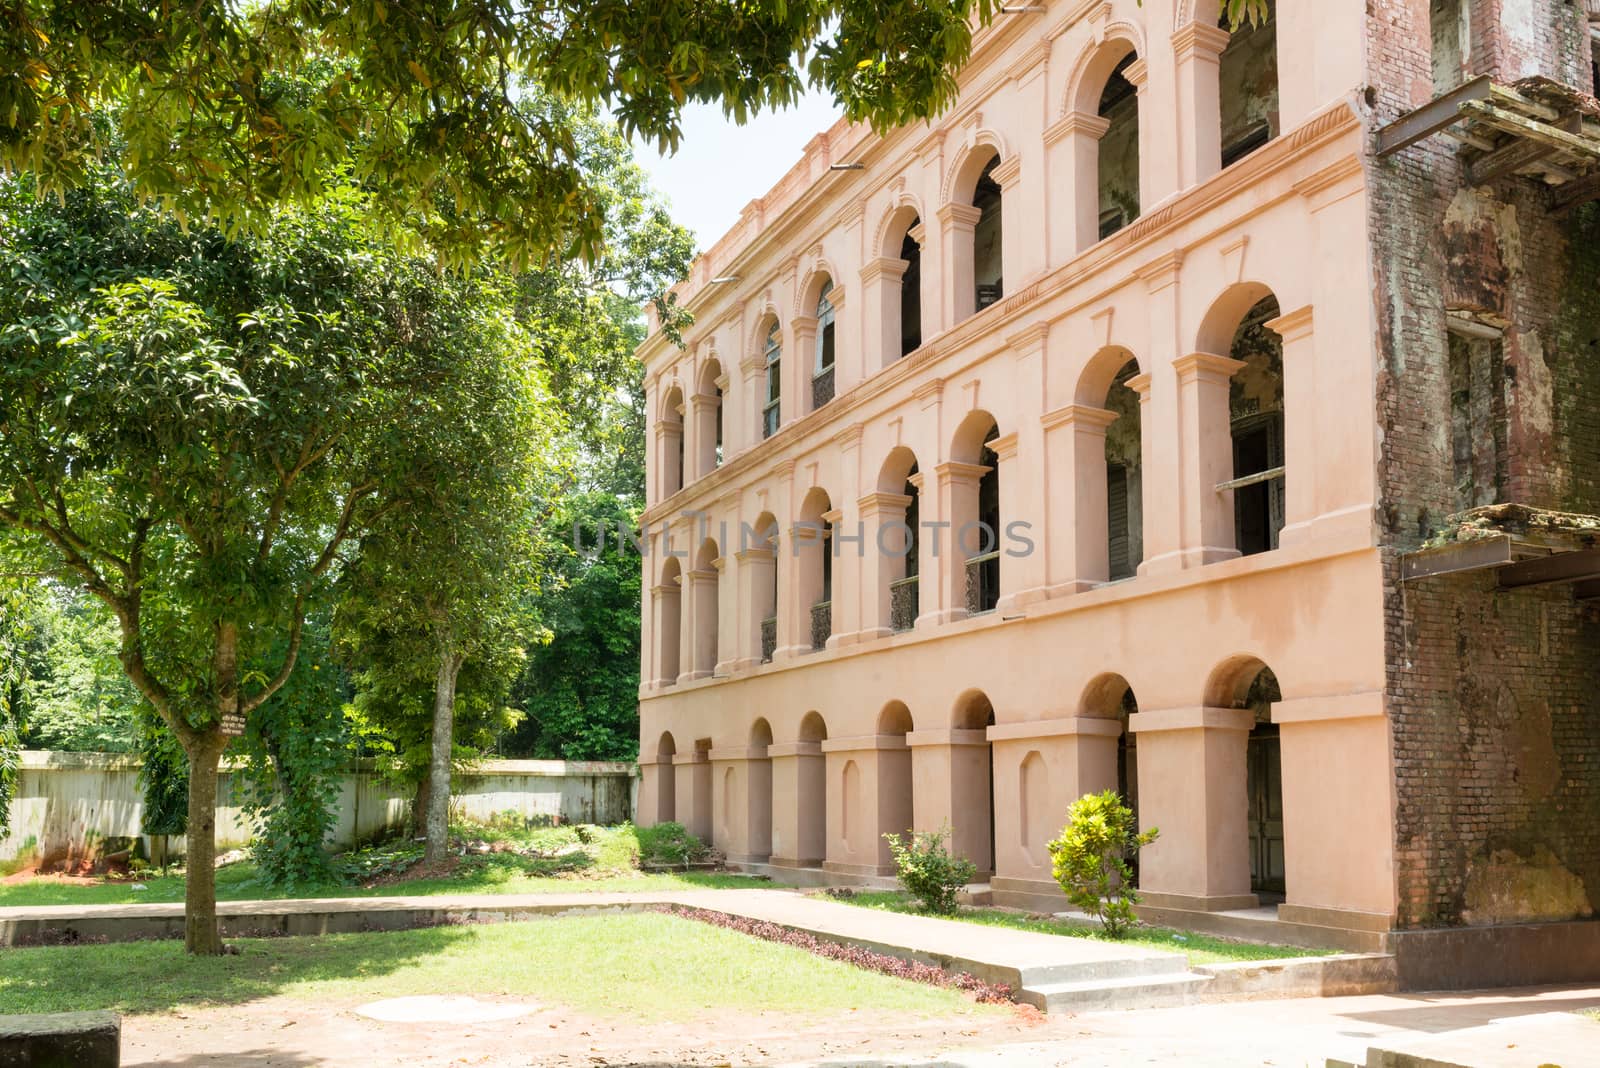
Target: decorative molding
[1161,272]
[1007,172]
[1005,446]
[929,392]
[1199,39]
[1233,260]
[849,437]
[954,215]
[1292,326]
[1201,364]
[1074,123]
[1100,323]
[1076,415]
[881,266]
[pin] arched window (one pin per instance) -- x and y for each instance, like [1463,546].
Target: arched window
[822,374]
[975,518]
[983,568]
[1248,84]
[911,292]
[707,404]
[1118,160]
[772,352]
[670,442]
[1124,481]
[1255,419]
[987,240]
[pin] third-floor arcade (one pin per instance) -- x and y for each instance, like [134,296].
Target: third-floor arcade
[1076,125]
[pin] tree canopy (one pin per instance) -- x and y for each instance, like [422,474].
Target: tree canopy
[227,109]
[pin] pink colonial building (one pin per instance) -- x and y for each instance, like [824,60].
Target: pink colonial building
[1041,450]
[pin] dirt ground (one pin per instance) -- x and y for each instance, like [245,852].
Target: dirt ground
[1296,1033]
[285,1032]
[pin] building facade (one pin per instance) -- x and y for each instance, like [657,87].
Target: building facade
[1109,433]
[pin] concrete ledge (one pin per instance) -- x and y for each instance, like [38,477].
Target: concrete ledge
[1522,954]
[1252,926]
[61,1040]
[1301,977]
[1199,902]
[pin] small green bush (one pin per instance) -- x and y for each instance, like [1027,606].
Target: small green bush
[928,871]
[1090,859]
[668,843]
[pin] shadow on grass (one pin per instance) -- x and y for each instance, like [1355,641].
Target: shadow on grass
[137,977]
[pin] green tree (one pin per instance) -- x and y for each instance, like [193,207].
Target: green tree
[580,692]
[442,581]
[77,697]
[1090,859]
[193,426]
[421,100]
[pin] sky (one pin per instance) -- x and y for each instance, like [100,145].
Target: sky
[720,166]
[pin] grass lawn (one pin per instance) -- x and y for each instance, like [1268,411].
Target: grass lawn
[609,862]
[645,966]
[1200,948]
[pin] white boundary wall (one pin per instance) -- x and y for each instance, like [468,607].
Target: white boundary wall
[66,799]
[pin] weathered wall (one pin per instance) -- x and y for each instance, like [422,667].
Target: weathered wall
[67,800]
[1494,699]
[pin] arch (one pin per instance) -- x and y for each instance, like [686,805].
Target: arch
[669,633]
[815,505]
[1233,683]
[986,149]
[766,319]
[896,224]
[704,587]
[758,791]
[894,719]
[759,551]
[813,728]
[972,711]
[769,350]
[967,443]
[811,287]
[1244,681]
[760,735]
[666,746]
[1222,320]
[706,380]
[708,405]
[899,293]
[1103,368]
[895,469]
[666,779]
[672,421]
[1107,696]
[972,780]
[1095,64]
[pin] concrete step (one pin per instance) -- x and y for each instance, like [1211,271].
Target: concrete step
[1131,992]
[1104,970]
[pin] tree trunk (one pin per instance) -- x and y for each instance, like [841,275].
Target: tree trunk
[444,712]
[201,935]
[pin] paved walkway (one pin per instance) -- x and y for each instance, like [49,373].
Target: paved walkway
[995,954]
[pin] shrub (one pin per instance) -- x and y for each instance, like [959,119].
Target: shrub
[1090,859]
[928,871]
[668,843]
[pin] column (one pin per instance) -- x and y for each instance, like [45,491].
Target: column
[754,576]
[849,543]
[803,553]
[1075,144]
[883,517]
[1197,50]
[1014,491]
[880,291]
[692,772]
[1077,549]
[1162,440]
[745,427]
[1158,174]
[960,295]
[703,411]
[1337,844]
[664,598]
[742,801]
[1205,453]
[728,616]
[787,563]
[869,795]
[1040,768]
[1301,439]
[950,767]
[703,623]
[800,361]
[958,505]
[1192,786]
[799,805]
[656,790]
[669,478]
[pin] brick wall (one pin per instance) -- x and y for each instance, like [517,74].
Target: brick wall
[1494,698]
